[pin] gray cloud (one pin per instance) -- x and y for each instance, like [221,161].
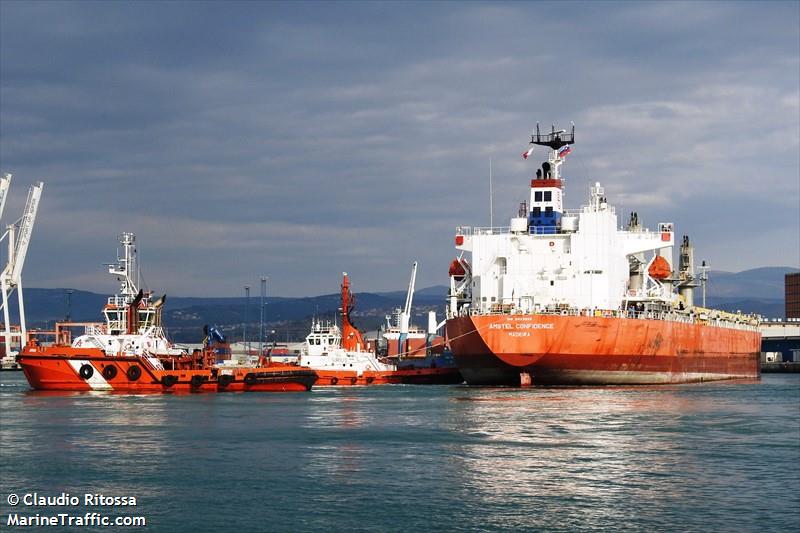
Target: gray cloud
[300,140]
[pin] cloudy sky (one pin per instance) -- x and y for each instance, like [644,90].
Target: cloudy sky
[300,140]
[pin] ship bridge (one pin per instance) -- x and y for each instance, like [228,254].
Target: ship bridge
[549,256]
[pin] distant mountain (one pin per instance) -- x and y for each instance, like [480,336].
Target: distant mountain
[43,305]
[186,316]
[766,282]
[766,307]
[759,290]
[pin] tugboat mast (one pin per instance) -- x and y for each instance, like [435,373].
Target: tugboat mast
[126,266]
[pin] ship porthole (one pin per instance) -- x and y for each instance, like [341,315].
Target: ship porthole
[134,372]
[110,372]
[86,371]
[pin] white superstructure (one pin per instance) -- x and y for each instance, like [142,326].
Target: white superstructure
[549,257]
[323,351]
[133,320]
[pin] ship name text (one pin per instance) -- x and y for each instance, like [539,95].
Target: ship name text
[524,325]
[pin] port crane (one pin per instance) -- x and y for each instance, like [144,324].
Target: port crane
[18,237]
[405,315]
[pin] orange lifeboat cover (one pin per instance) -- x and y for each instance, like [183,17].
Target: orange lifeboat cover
[659,268]
[457,269]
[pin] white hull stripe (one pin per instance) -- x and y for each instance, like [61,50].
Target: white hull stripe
[97,381]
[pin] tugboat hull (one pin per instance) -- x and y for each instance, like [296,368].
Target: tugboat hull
[97,372]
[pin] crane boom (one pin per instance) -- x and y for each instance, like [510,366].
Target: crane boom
[411,283]
[19,237]
[25,229]
[5,183]
[405,315]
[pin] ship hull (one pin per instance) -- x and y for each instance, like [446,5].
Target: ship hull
[582,350]
[410,376]
[94,371]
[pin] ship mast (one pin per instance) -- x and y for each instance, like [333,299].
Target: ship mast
[125,266]
[555,140]
[546,202]
[352,339]
[121,311]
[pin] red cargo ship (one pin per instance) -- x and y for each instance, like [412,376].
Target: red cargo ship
[567,298]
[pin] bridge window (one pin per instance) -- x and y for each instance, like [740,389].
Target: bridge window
[537,196]
[548,211]
[537,211]
[548,196]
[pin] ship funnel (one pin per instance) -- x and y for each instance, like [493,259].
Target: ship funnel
[431,322]
[404,319]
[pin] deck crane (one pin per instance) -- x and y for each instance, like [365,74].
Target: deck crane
[405,316]
[19,237]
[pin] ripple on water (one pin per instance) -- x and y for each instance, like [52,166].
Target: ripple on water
[722,456]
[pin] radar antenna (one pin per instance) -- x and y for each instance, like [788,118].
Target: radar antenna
[555,139]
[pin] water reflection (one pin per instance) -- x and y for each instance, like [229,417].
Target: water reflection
[427,458]
[336,419]
[594,451]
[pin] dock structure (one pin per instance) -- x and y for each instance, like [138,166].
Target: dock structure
[780,337]
[780,345]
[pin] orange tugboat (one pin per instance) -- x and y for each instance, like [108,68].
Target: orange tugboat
[567,297]
[130,353]
[342,357]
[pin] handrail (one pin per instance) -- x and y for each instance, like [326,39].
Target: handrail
[469,231]
[712,318]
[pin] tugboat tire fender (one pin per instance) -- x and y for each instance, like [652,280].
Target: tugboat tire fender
[134,372]
[110,372]
[334,380]
[169,380]
[224,380]
[86,371]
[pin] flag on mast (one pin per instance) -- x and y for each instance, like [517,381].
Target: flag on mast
[564,151]
[527,153]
